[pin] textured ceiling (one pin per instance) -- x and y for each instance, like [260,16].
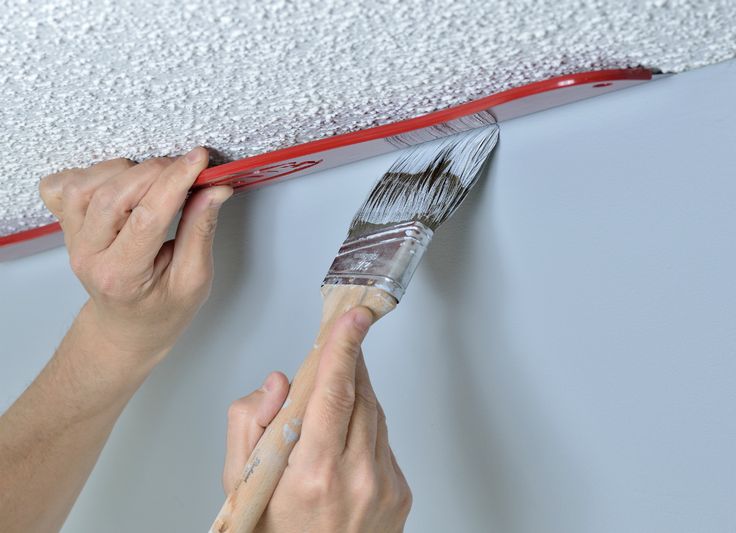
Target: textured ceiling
[84,81]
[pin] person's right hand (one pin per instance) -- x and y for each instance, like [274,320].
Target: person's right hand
[342,475]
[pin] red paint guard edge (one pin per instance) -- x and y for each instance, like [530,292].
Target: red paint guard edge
[213,173]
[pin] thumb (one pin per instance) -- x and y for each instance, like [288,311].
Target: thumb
[196,231]
[247,418]
[330,407]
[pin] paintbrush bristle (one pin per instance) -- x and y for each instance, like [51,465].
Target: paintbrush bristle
[427,183]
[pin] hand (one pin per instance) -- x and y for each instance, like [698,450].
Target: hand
[342,475]
[143,289]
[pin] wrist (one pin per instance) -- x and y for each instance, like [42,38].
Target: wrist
[92,362]
[136,341]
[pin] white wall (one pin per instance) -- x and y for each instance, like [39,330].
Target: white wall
[564,360]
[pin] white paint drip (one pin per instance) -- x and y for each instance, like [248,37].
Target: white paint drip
[82,81]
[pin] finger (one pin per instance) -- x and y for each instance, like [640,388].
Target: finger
[196,231]
[145,230]
[51,187]
[163,260]
[331,405]
[77,194]
[247,419]
[363,428]
[383,449]
[112,203]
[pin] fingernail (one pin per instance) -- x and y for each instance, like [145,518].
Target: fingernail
[219,195]
[194,156]
[362,318]
[269,383]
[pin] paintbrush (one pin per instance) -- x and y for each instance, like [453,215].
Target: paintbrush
[387,238]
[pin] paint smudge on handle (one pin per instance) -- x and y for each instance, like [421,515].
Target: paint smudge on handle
[291,430]
[289,434]
[250,468]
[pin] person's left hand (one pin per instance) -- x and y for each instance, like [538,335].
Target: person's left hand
[144,290]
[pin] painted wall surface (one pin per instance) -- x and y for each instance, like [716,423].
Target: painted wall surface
[563,362]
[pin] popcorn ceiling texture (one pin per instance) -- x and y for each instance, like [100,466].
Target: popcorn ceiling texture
[83,81]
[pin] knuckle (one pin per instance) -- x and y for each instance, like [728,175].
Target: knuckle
[348,345]
[406,498]
[319,486]
[107,283]
[121,163]
[45,186]
[193,281]
[340,395]
[176,179]
[205,228]
[199,283]
[111,166]
[143,219]
[201,288]
[238,411]
[155,165]
[73,188]
[64,175]
[106,199]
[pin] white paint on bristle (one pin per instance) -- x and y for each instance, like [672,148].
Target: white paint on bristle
[428,182]
[82,81]
[460,150]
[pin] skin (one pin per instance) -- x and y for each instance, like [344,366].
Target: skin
[342,474]
[144,290]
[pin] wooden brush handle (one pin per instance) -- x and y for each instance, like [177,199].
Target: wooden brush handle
[245,504]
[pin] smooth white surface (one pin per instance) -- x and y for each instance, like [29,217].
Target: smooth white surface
[563,362]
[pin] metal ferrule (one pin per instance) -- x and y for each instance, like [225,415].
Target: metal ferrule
[385,259]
